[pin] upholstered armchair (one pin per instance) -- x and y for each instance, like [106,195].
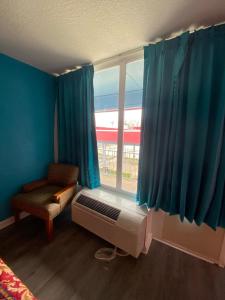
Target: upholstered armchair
[46,198]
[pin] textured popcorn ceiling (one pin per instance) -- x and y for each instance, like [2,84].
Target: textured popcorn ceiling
[54,35]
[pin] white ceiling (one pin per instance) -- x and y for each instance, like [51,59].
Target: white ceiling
[54,35]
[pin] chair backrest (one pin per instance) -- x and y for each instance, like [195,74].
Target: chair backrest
[62,174]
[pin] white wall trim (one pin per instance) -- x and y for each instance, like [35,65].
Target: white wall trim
[11,220]
[190,252]
[118,60]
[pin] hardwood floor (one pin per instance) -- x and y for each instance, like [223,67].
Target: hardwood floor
[66,269]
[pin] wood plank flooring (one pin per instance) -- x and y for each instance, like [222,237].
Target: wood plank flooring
[66,269]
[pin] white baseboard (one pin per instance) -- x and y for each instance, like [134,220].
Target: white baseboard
[11,220]
[187,251]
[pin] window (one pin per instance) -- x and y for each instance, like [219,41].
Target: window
[118,108]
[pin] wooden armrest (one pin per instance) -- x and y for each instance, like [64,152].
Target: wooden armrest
[34,185]
[57,196]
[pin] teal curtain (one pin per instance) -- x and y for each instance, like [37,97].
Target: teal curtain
[76,124]
[182,165]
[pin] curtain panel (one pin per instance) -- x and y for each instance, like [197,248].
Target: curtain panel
[182,170]
[76,124]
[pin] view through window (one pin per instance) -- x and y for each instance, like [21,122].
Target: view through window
[117,112]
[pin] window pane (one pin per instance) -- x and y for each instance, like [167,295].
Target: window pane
[132,124]
[106,92]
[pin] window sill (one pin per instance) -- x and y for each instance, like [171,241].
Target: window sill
[118,199]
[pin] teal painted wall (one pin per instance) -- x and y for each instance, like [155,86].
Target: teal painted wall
[27,97]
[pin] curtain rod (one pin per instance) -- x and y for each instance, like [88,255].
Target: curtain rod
[173,35]
[104,60]
[126,53]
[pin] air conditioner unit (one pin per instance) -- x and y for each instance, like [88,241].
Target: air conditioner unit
[114,218]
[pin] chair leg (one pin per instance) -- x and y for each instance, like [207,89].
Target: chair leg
[16,215]
[49,229]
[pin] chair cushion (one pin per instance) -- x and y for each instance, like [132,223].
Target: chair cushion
[39,202]
[62,174]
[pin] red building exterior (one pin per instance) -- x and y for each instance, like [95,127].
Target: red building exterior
[110,135]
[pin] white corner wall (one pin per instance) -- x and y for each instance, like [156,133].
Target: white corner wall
[200,241]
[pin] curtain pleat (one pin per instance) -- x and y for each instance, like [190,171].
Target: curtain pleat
[76,124]
[182,169]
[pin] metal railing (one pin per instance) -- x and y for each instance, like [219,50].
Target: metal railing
[107,155]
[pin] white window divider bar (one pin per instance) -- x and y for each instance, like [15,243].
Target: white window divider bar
[122,83]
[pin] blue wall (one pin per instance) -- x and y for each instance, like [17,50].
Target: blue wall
[27,98]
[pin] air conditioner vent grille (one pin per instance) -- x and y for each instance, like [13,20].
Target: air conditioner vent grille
[100,207]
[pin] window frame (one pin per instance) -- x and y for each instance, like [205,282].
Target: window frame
[121,61]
